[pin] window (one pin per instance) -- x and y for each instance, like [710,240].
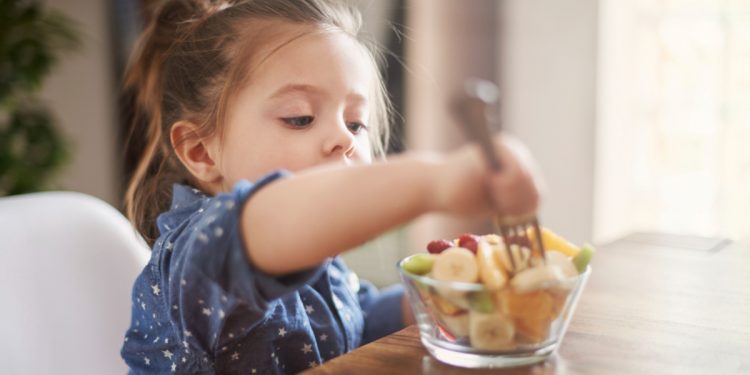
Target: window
[673,142]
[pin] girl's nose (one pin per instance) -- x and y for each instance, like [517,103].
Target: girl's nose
[339,141]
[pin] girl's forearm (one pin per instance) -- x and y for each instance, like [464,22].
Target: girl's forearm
[296,223]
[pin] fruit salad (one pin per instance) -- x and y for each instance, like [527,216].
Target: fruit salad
[508,303]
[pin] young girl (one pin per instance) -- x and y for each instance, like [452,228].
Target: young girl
[264,117]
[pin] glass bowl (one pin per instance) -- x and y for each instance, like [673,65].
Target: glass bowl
[468,325]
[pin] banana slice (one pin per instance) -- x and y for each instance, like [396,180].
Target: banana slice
[457,325]
[491,273]
[566,265]
[490,331]
[521,257]
[455,264]
[456,297]
[493,239]
[444,306]
[537,278]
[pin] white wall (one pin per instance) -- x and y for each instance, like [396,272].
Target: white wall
[81,93]
[548,61]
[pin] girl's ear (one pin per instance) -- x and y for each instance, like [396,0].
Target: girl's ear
[194,152]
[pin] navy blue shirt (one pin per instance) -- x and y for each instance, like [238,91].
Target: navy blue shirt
[200,307]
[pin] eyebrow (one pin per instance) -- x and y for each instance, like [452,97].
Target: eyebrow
[312,90]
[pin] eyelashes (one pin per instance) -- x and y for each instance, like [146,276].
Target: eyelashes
[299,121]
[356,127]
[303,122]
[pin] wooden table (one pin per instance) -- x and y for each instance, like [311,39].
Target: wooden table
[655,304]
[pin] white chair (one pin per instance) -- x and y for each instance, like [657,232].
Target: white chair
[67,266]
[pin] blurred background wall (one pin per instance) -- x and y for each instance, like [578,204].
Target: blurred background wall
[82,93]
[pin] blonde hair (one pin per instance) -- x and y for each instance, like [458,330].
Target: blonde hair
[190,61]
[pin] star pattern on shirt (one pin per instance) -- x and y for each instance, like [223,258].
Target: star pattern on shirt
[337,302]
[202,237]
[219,314]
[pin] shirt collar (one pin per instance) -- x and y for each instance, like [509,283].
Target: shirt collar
[184,195]
[185,200]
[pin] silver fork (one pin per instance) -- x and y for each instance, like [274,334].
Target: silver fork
[473,110]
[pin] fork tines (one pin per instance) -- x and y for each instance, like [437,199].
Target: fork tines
[516,234]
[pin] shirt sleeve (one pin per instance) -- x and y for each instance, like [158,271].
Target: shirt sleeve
[382,310]
[210,274]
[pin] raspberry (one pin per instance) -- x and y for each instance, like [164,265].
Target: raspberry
[469,241]
[437,246]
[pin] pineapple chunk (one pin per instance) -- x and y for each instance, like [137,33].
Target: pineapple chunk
[553,241]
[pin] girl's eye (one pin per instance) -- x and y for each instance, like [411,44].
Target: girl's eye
[356,127]
[299,122]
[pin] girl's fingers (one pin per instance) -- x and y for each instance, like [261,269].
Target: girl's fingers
[515,189]
[515,193]
[526,161]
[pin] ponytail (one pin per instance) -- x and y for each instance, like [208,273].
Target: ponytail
[149,189]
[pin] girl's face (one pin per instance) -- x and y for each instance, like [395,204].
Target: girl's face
[306,104]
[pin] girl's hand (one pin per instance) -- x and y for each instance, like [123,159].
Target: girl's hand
[468,187]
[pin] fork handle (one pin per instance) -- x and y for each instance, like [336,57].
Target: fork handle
[472,109]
